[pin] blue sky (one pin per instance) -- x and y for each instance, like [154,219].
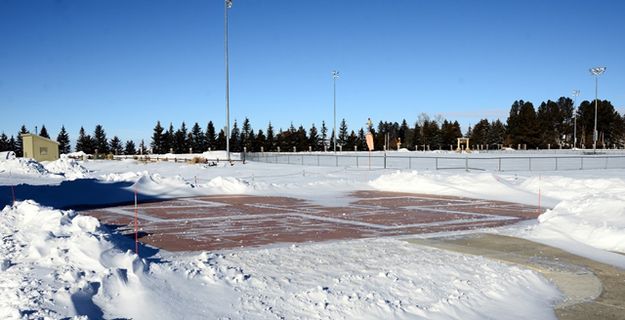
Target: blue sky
[125,64]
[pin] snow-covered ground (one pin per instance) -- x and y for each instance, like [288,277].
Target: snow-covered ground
[56,263]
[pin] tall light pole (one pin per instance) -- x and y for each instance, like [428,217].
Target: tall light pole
[227,5]
[575,94]
[597,71]
[335,75]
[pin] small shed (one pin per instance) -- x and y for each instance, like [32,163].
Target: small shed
[39,148]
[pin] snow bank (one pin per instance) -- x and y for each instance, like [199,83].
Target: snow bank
[59,264]
[24,166]
[67,167]
[598,221]
[476,185]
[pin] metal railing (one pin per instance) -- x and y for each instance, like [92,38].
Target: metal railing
[467,162]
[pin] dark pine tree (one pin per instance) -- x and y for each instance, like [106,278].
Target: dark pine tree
[84,142]
[4,142]
[100,140]
[142,148]
[169,139]
[198,139]
[343,133]
[247,135]
[221,140]
[13,144]
[19,149]
[211,138]
[261,140]
[115,146]
[323,142]
[313,138]
[235,138]
[157,139]
[44,132]
[130,148]
[63,140]
[270,142]
[181,144]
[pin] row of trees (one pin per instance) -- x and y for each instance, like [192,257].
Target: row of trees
[552,124]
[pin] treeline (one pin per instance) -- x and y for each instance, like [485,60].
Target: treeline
[551,125]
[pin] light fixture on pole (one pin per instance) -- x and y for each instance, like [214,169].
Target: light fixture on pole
[575,95]
[597,71]
[227,5]
[335,75]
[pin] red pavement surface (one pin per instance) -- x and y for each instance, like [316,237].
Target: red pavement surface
[226,221]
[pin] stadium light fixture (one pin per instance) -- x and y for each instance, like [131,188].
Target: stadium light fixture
[335,75]
[228,5]
[596,71]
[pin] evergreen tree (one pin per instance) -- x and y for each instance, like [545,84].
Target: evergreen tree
[84,142]
[221,140]
[100,141]
[115,146]
[19,145]
[211,138]
[247,135]
[157,139]
[479,135]
[44,132]
[235,138]
[496,134]
[313,138]
[4,142]
[198,139]
[513,134]
[343,133]
[169,140]
[324,136]
[350,142]
[130,148]
[63,140]
[361,142]
[261,140]
[13,145]
[181,143]
[271,143]
[528,127]
[142,148]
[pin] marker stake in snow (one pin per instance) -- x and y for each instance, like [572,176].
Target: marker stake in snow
[136,225]
[539,178]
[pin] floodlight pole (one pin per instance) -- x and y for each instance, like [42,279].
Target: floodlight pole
[575,94]
[335,75]
[597,71]
[227,5]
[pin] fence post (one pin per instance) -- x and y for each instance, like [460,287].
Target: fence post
[436,163]
[384,160]
[556,163]
[410,163]
[466,163]
[302,159]
[530,162]
[356,161]
[337,159]
[606,162]
[318,161]
[581,167]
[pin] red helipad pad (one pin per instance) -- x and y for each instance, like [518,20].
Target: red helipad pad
[226,221]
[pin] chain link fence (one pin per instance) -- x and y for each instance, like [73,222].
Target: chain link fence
[485,162]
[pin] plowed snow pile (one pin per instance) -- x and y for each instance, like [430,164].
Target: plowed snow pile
[67,167]
[58,264]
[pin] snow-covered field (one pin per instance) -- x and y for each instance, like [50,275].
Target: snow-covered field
[59,264]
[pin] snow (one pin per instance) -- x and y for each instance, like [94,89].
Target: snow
[67,167]
[57,263]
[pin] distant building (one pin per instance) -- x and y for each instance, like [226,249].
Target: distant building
[39,148]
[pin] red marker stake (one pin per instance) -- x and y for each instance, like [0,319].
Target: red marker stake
[539,178]
[136,225]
